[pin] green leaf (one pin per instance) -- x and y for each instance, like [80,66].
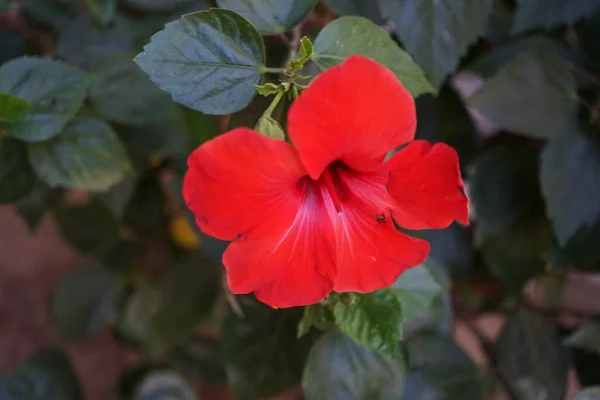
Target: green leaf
[47,375]
[90,227]
[374,321]
[103,11]
[33,207]
[346,36]
[200,360]
[165,384]
[161,5]
[450,250]
[208,61]
[200,127]
[54,89]
[504,188]
[270,128]
[305,51]
[570,166]
[581,251]
[589,393]
[519,84]
[438,33]
[12,108]
[416,289]
[339,369]
[586,337]
[16,176]
[88,155]
[361,8]
[531,358]
[121,92]
[85,43]
[271,16]
[166,313]
[84,302]
[262,354]
[546,14]
[318,316]
[118,197]
[55,14]
[445,367]
[267,89]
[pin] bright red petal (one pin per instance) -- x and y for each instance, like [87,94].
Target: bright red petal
[238,180]
[426,184]
[286,262]
[370,252]
[355,112]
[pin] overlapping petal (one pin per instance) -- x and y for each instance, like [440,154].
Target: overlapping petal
[239,179]
[426,184]
[355,112]
[286,263]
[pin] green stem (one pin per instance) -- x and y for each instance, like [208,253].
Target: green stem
[272,70]
[274,104]
[294,91]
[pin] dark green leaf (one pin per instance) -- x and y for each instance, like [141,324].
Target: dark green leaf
[530,356]
[417,387]
[444,366]
[84,302]
[160,385]
[346,36]
[118,197]
[517,252]
[208,61]
[12,108]
[270,128]
[200,127]
[590,393]
[450,250]
[160,5]
[55,14]
[262,355]
[586,337]
[16,176]
[121,92]
[88,155]
[12,44]
[47,375]
[166,313]
[532,14]
[519,84]
[84,43]
[570,167]
[103,11]
[500,22]
[271,16]
[504,188]
[438,33]
[416,289]
[200,360]
[361,8]
[54,89]
[318,316]
[33,207]
[581,251]
[90,227]
[339,369]
[374,321]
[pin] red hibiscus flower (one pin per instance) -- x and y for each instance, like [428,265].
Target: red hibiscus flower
[318,216]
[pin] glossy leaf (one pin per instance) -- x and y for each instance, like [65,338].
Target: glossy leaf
[12,108]
[208,61]
[161,5]
[374,321]
[570,165]
[445,367]
[84,302]
[546,14]
[361,8]
[47,375]
[586,337]
[16,176]
[438,33]
[271,16]
[589,393]
[160,385]
[531,358]
[54,89]
[121,92]
[519,84]
[339,369]
[262,354]
[32,208]
[88,155]
[346,36]
[103,11]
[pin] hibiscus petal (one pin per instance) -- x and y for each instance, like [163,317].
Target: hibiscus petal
[371,253]
[286,263]
[239,179]
[355,112]
[427,186]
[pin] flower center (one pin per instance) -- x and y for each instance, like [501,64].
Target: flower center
[332,182]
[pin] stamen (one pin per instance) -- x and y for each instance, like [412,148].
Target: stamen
[326,176]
